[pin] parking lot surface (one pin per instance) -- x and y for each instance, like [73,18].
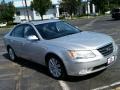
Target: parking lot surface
[26,75]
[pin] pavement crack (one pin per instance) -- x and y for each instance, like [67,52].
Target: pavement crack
[90,23]
[18,78]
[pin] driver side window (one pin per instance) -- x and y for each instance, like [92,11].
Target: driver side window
[29,30]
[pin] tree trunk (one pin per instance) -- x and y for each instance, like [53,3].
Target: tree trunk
[27,10]
[41,17]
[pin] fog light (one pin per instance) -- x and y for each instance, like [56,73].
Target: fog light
[85,71]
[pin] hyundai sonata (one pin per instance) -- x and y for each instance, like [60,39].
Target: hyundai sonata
[63,48]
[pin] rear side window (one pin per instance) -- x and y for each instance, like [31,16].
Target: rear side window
[18,31]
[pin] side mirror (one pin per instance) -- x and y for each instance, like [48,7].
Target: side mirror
[32,38]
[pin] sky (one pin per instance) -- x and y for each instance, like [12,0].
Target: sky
[19,4]
[9,0]
[54,1]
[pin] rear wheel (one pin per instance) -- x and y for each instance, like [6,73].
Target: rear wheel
[56,67]
[11,54]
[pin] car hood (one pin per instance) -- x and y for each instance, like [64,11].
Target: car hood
[83,40]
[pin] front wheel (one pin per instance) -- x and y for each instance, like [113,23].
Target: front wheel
[56,67]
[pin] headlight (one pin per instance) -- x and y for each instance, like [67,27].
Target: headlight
[81,54]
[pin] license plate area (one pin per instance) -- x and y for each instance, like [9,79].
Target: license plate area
[111,59]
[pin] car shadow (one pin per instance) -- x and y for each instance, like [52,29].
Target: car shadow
[113,19]
[42,69]
[29,64]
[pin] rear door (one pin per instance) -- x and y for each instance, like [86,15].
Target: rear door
[17,40]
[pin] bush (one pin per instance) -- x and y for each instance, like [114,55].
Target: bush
[9,23]
[62,17]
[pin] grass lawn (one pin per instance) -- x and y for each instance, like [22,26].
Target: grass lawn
[4,30]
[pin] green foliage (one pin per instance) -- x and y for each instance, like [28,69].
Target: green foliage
[105,5]
[41,6]
[7,11]
[70,6]
[114,3]
[100,5]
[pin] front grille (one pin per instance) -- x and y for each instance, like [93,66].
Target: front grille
[106,50]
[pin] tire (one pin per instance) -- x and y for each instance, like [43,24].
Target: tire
[56,68]
[11,54]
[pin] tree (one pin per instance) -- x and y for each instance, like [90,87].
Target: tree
[41,6]
[100,5]
[70,6]
[7,11]
[114,3]
[105,5]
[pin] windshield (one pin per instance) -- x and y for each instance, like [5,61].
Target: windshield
[56,29]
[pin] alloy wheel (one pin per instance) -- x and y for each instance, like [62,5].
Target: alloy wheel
[55,67]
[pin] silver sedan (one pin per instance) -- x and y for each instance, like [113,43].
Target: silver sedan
[63,48]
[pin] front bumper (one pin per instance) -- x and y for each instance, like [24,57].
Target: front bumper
[83,68]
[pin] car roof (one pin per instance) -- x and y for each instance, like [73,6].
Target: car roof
[115,8]
[37,22]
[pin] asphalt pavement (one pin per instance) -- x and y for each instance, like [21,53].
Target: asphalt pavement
[26,75]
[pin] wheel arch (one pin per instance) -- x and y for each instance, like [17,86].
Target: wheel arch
[8,46]
[50,54]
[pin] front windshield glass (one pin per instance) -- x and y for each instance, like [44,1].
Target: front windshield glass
[56,29]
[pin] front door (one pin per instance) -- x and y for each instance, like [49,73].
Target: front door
[33,49]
